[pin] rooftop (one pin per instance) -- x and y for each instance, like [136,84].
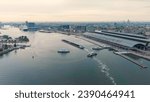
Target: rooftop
[120,41]
[125,36]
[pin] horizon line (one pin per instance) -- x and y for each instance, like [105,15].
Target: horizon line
[71,21]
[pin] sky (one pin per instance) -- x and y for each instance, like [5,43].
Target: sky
[74,10]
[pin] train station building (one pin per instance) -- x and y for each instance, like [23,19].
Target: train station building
[121,40]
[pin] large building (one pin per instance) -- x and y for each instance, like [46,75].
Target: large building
[122,40]
[29,26]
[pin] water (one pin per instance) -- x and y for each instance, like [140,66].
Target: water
[50,68]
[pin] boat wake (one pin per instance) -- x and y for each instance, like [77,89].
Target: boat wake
[87,50]
[104,68]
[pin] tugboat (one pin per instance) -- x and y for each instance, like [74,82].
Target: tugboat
[63,51]
[92,54]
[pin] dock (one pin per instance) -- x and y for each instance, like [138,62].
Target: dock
[73,44]
[133,61]
[12,49]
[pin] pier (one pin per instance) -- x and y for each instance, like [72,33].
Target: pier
[73,44]
[122,52]
[133,61]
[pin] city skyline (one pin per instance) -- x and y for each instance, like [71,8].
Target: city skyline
[74,10]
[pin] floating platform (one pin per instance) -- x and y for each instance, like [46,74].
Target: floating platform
[63,51]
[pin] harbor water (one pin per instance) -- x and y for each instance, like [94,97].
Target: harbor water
[48,67]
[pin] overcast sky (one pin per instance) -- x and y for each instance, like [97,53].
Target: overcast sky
[74,10]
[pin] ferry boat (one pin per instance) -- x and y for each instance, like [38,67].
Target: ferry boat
[92,54]
[63,51]
[45,31]
[73,44]
[24,28]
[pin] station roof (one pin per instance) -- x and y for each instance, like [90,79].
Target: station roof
[120,41]
[126,34]
[124,37]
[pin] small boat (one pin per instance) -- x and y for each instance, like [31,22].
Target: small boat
[96,48]
[32,57]
[45,31]
[81,47]
[92,54]
[63,51]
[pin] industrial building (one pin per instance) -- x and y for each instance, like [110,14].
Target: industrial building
[121,40]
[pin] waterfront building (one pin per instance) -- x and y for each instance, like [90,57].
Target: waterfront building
[80,29]
[121,40]
[29,26]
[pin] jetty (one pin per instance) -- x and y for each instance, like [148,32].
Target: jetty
[73,44]
[127,58]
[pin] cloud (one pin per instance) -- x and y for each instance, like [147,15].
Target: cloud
[74,9]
